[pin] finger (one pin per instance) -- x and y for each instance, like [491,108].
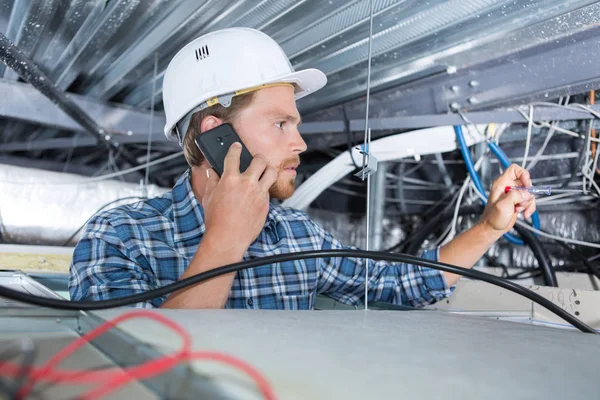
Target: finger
[514,175]
[257,167]
[232,159]
[211,182]
[268,179]
[511,201]
[530,209]
[506,207]
[517,173]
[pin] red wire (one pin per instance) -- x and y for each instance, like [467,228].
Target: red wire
[93,334]
[120,381]
[109,380]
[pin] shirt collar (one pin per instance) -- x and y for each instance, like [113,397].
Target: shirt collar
[188,214]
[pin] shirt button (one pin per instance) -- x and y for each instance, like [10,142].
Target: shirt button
[250,302]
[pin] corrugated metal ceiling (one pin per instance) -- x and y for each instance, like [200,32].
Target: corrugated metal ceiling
[105,49]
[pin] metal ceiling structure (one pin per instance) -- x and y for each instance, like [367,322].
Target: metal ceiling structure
[428,58]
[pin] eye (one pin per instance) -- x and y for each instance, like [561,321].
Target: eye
[279,125]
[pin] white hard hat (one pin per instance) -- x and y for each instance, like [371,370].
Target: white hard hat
[217,66]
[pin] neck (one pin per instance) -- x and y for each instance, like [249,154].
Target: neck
[199,179]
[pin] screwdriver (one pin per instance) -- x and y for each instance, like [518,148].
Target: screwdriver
[541,189]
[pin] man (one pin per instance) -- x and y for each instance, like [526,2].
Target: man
[241,76]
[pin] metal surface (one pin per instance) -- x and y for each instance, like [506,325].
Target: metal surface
[473,296]
[378,195]
[29,71]
[492,52]
[403,352]
[125,351]
[53,331]
[541,113]
[23,102]
[49,339]
[18,281]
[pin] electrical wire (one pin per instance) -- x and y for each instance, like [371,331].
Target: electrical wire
[111,379]
[594,170]
[96,212]
[541,255]
[558,238]
[367,148]
[303,255]
[557,128]
[348,192]
[460,196]
[528,140]
[538,155]
[554,237]
[594,144]
[102,177]
[593,270]
[475,177]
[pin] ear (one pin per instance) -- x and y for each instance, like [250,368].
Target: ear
[210,122]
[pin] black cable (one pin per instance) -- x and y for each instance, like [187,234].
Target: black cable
[413,244]
[541,255]
[593,270]
[96,212]
[374,255]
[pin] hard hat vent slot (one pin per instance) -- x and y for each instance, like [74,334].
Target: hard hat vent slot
[202,53]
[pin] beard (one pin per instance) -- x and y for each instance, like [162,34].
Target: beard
[284,186]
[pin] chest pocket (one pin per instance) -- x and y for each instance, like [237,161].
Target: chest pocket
[296,301]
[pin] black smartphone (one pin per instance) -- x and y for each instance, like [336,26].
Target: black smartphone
[215,144]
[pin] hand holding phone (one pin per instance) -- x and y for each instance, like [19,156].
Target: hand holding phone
[236,202]
[215,144]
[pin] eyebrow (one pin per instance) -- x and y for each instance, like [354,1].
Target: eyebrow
[287,117]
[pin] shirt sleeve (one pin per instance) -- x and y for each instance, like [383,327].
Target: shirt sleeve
[101,268]
[343,279]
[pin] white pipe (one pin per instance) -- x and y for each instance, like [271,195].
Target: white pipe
[409,144]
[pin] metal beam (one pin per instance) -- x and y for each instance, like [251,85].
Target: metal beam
[67,143]
[541,113]
[12,56]
[491,70]
[23,102]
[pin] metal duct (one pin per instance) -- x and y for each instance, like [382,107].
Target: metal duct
[42,207]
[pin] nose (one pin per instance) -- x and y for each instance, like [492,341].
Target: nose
[298,144]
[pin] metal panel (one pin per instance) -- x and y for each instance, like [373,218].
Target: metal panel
[32,29]
[381,354]
[227,14]
[90,41]
[462,47]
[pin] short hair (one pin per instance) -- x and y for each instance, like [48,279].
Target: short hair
[193,155]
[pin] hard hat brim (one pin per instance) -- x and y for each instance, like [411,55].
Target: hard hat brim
[306,81]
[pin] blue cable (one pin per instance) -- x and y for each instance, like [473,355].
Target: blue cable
[462,144]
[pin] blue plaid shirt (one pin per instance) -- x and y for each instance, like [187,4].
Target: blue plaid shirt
[142,246]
